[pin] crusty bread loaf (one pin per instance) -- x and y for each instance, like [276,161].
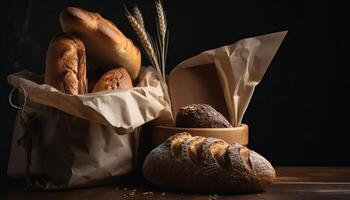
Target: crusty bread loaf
[199,164]
[117,78]
[65,67]
[106,46]
[200,116]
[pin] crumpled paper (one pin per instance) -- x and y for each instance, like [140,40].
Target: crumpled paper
[123,109]
[240,67]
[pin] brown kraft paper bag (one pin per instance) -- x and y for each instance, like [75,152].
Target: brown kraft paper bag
[67,141]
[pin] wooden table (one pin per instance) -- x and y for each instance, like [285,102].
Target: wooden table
[299,183]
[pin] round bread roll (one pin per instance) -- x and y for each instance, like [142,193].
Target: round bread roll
[209,165]
[65,67]
[200,116]
[106,46]
[117,78]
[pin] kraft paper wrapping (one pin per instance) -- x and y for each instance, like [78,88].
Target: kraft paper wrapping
[239,68]
[123,109]
[76,139]
[69,152]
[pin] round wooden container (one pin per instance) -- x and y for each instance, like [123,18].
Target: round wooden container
[230,135]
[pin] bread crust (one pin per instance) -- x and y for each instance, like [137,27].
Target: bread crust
[208,165]
[65,67]
[200,116]
[117,78]
[106,45]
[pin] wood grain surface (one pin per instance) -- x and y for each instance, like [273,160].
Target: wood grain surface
[292,183]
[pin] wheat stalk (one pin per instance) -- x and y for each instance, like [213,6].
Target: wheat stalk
[162,32]
[155,51]
[143,36]
[146,43]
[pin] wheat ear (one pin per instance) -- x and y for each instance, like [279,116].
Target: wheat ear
[162,33]
[139,17]
[142,35]
[161,20]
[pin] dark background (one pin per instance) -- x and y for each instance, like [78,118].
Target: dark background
[298,114]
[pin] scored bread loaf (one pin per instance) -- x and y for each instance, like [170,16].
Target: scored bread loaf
[117,78]
[106,46]
[210,165]
[65,67]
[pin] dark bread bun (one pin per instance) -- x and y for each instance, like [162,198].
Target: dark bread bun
[65,67]
[200,116]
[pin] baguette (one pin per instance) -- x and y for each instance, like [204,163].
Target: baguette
[106,46]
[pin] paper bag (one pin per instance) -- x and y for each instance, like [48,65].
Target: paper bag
[225,77]
[79,140]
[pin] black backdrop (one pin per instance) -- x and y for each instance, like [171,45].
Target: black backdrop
[298,114]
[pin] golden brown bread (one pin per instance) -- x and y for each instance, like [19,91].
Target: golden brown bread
[65,67]
[106,45]
[117,78]
[199,164]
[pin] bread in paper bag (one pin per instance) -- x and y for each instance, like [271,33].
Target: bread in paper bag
[79,139]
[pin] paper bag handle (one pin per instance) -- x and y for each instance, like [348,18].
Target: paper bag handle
[26,140]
